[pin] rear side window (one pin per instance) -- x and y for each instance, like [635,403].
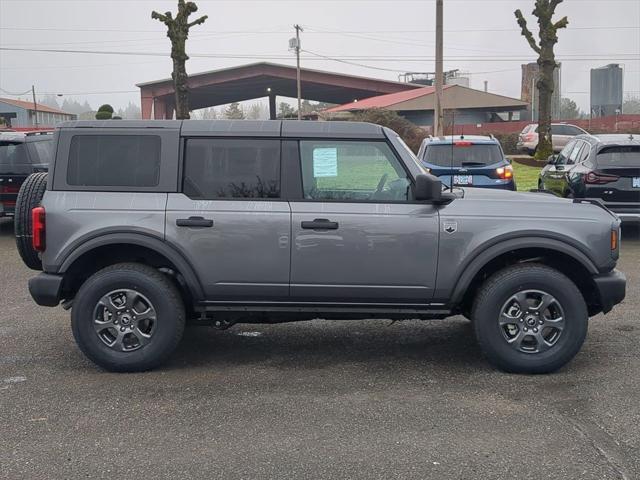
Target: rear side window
[12,153]
[231,168]
[41,152]
[620,156]
[114,161]
[463,154]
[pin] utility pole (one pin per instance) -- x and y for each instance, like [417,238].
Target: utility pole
[438,117]
[35,105]
[298,30]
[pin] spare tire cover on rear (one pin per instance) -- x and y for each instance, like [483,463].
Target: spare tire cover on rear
[29,197]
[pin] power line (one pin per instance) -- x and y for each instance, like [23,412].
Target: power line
[319,32]
[372,58]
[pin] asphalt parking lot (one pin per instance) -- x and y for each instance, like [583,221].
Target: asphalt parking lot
[315,400]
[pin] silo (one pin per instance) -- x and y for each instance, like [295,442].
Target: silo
[606,90]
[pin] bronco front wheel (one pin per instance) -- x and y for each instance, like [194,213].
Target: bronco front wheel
[128,317]
[530,318]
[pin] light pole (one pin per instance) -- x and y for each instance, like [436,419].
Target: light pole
[298,82]
[35,106]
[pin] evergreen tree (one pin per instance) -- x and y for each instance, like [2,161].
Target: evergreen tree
[234,112]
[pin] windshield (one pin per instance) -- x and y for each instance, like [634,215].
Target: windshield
[463,154]
[622,156]
[12,153]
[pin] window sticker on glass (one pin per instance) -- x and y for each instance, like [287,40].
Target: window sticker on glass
[325,162]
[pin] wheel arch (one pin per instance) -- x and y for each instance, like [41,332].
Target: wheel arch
[98,252]
[559,255]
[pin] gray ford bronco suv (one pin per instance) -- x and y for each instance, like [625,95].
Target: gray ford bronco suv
[141,226]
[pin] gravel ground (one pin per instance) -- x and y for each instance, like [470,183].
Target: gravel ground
[351,399]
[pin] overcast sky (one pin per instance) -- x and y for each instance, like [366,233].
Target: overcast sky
[481,37]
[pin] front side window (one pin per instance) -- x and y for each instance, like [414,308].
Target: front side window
[114,161]
[566,151]
[352,171]
[231,168]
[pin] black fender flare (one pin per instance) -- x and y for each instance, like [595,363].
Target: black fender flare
[141,238]
[480,259]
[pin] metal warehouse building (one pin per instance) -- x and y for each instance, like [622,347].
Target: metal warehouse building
[18,113]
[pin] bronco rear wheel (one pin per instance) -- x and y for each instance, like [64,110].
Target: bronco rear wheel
[128,317]
[29,197]
[530,319]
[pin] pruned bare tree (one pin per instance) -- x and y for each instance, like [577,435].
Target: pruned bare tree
[178,32]
[548,37]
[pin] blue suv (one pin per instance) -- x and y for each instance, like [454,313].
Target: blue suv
[467,161]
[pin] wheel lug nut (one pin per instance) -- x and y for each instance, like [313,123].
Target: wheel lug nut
[526,329]
[540,322]
[535,330]
[122,329]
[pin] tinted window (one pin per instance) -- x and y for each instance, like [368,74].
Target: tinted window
[566,151]
[570,130]
[573,157]
[620,156]
[226,168]
[13,153]
[41,152]
[584,153]
[352,171]
[463,154]
[114,161]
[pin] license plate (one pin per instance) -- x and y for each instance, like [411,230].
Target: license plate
[463,179]
[636,182]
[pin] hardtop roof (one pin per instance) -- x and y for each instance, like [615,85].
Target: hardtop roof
[246,128]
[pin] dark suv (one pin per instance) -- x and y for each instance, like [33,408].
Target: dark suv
[606,167]
[21,154]
[467,160]
[140,226]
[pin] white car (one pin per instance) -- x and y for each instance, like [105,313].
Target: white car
[561,133]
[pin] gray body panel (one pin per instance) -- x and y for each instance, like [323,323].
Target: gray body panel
[74,218]
[487,218]
[244,255]
[380,253]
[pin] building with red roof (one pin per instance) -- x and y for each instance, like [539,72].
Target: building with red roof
[19,113]
[469,106]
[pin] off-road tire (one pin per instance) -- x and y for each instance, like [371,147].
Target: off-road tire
[499,288]
[162,294]
[29,197]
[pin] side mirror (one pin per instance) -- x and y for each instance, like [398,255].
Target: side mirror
[552,159]
[427,187]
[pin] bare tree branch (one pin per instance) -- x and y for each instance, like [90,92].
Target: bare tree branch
[554,4]
[526,33]
[562,23]
[198,21]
